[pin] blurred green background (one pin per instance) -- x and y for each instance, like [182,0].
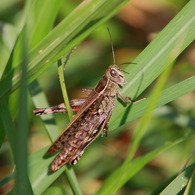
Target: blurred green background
[132,29]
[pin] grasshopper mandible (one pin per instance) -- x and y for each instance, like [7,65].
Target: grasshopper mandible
[91,120]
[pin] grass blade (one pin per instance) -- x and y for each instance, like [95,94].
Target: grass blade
[180,182]
[129,169]
[61,39]
[21,136]
[138,108]
[152,61]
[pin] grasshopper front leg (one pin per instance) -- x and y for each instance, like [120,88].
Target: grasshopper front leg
[126,99]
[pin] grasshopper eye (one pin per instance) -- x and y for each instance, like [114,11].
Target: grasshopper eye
[113,73]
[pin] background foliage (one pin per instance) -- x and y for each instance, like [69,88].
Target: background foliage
[144,156]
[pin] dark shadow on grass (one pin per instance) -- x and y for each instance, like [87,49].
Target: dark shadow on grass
[35,88]
[50,121]
[6,81]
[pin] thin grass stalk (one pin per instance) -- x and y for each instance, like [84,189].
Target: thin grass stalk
[63,88]
[22,185]
[69,172]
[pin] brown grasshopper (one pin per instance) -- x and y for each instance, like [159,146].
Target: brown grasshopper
[91,120]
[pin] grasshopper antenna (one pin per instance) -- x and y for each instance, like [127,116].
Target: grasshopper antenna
[111,41]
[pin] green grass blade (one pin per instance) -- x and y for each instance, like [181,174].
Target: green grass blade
[69,172]
[180,182]
[152,61]
[33,9]
[145,121]
[42,11]
[70,32]
[34,16]
[168,44]
[63,88]
[55,190]
[42,15]
[191,186]
[137,109]
[40,101]
[21,136]
[39,174]
[128,170]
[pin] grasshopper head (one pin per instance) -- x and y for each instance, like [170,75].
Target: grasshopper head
[115,74]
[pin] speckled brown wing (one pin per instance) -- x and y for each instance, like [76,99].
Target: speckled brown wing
[75,146]
[84,131]
[72,126]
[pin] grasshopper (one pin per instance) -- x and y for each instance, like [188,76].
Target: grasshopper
[91,120]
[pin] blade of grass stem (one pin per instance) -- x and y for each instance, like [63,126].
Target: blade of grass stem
[63,88]
[69,172]
[41,9]
[21,134]
[145,121]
